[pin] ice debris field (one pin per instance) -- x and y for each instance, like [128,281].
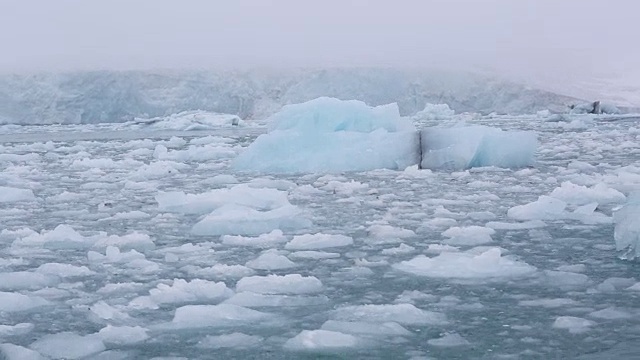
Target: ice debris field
[321,236]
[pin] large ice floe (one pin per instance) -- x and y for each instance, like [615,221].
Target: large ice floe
[464,147]
[331,135]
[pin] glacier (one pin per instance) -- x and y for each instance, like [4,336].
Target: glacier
[119,96]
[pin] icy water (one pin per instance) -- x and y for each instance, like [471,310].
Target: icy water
[576,299]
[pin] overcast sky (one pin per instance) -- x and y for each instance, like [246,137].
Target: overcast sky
[527,37]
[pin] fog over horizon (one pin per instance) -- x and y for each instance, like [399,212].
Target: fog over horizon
[542,41]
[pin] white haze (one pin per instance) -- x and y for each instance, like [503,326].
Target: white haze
[553,44]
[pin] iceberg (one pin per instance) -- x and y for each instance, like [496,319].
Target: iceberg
[331,135]
[464,147]
[627,228]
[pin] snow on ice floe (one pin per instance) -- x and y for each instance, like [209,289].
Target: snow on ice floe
[384,329]
[489,264]
[11,195]
[318,241]
[68,345]
[574,325]
[627,228]
[17,329]
[550,208]
[331,135]
[464,147]
[275,284]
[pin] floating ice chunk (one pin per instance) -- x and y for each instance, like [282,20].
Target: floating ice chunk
[157,170]
[565,279]
[401,249]
[611,313]
[131,259]
[129,215]
[574,325]
[526,225]
[107,312]
[250,299]
[120,288]
[310,254]
[545,208]
[123,335]
[318,241]
[274,284]
[223,271]
[434,112]
[182,291]
[366,328]
[577,268]
[468,235]
[192,120]
[10,195]
[549,303]
[243,194]
[615,284]
[16,352]
[582,195]
[344,188]
[64,270]
[278,184]
[68,345]
[194,153]
[449,340]
[634,287]
[440,222]
[26,280]
[331,135]
[627,229]
[271,260]
[321,341]
[262,241]
[13,330]
[388,231]
[464,265]
[62,237]
[405,314]
[234,219]
[464,147]
[233,340]
[222,315]
[135,240]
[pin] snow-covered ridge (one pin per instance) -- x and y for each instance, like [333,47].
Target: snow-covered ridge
[109,96]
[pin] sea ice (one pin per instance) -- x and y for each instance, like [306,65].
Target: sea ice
[449,340]
[123,335]
[68,345]
[582,195]
[318,241]
[405,314]
[464,147]
[321,340]
[10,301]
[10,195]
[222,315]
[234,219]
[16,352]
[270,260]
[468,235]
[574,325]
[268,240]
[274,284]
[467,265]
[627,228]
[233,340]
[331,135]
